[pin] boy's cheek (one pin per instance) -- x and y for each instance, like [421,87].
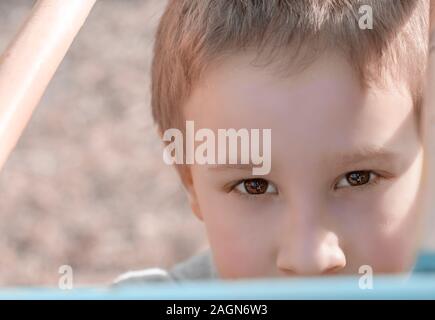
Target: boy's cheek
[241,247]
[386,241]
[386,253]
[236,256]
[241,262]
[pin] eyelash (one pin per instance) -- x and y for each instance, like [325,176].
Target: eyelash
[377,178]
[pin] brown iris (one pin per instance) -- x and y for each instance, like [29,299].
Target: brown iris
[256,186]
[357,178]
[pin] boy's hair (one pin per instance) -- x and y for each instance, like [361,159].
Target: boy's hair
[193,34]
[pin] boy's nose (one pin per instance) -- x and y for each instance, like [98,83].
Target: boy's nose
[306,248]
[316,256]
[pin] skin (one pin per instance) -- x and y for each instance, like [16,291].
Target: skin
[311,220]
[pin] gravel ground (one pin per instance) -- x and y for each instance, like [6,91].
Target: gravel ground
[86,185]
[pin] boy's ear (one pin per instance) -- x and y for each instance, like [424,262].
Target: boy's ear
[191,194]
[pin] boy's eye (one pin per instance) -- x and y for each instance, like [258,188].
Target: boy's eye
[357,178]
[255,186]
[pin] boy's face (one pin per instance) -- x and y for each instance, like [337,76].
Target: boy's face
[343,186]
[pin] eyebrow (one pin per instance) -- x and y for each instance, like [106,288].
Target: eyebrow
[364,154]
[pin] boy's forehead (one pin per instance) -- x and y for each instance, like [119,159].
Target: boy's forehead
[321,108]
[326,95]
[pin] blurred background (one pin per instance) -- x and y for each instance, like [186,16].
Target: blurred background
[86,185]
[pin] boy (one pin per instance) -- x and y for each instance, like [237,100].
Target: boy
[343,104]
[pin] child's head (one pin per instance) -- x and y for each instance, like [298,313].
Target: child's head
[343,105]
